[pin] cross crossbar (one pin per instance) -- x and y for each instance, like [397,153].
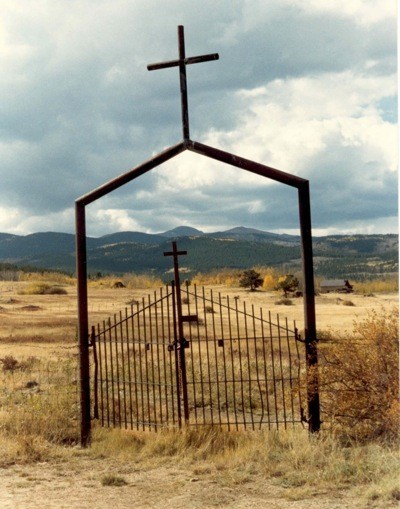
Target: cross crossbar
[182,62]
[187,61]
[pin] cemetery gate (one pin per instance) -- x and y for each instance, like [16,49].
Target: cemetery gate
[188,357]
[184,387]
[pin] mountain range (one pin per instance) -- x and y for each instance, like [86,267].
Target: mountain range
[238,248]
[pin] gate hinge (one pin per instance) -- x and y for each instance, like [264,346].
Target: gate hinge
[177,345]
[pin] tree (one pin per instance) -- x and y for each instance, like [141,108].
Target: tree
[288,283]
[250,279]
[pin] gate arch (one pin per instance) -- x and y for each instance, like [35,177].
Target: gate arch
[302,186]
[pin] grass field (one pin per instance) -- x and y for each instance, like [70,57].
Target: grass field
[40,466]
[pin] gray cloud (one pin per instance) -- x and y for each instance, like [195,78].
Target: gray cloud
[79,107]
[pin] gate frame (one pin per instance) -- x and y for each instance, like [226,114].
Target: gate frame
[302,186]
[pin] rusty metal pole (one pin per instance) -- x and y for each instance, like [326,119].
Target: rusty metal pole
[314,421]
[83,332]
[181,339]
[183,83]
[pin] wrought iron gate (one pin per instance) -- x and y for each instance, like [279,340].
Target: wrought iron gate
[187,357]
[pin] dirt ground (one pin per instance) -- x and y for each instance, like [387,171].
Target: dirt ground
[76,481]
[76,484]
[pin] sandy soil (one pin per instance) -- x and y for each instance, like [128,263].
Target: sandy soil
[75,482]
[77,485]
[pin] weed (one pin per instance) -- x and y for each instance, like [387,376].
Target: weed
[284,302]
[55,290]
[348,303]
[9,363]
[113,480]
[359,377]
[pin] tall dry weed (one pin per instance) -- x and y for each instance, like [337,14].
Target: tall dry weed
[360,379]
[383,285]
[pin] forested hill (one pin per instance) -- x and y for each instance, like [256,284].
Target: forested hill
[238,248]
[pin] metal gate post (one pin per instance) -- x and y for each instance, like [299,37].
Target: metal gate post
[83,333]
[181,340]
[314,421]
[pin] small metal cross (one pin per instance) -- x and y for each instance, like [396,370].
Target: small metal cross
[182,62]
[175,253]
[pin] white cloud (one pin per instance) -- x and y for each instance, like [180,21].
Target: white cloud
[305,86]
[365,12]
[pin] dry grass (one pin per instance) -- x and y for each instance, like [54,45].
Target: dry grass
[37,422]
[291,459]
[360,378]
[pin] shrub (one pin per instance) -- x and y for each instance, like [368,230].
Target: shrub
[9,363]
[55,290]
[287,284]
[348,303]
[113,480]
[39,288]
[284,302]
[35,288]
[359,378]
[250,279]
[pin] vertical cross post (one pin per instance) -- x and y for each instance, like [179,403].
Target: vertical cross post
[181,340]
[182,62]
[183,83]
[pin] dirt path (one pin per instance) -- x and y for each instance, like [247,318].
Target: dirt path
[77,484]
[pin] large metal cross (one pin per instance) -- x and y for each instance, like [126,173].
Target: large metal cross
[182,62]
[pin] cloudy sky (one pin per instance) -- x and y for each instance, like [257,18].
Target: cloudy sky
[306,86]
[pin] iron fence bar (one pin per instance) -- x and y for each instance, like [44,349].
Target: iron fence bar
[299,375]
[149,347]
[123,366]
[265,368]
[163,370]
[273,369]
[232,362]
[158,356]
[99,341]
[290,372]
[112,374]
[140,358]
[177,366]
[208,356]
[240,365]
[106,370]
[171,341]
[146,362]
[135,374]
[128,351]
[257,366]
[200,357]
[191,352]
[216,362]
[282,381]
[95,375]
[117,369]
[248,366]
[224,363]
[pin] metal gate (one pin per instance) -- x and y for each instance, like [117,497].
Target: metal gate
[188,357]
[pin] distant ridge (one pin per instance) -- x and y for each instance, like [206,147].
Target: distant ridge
[181,231]
[335,256]
[242,230]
